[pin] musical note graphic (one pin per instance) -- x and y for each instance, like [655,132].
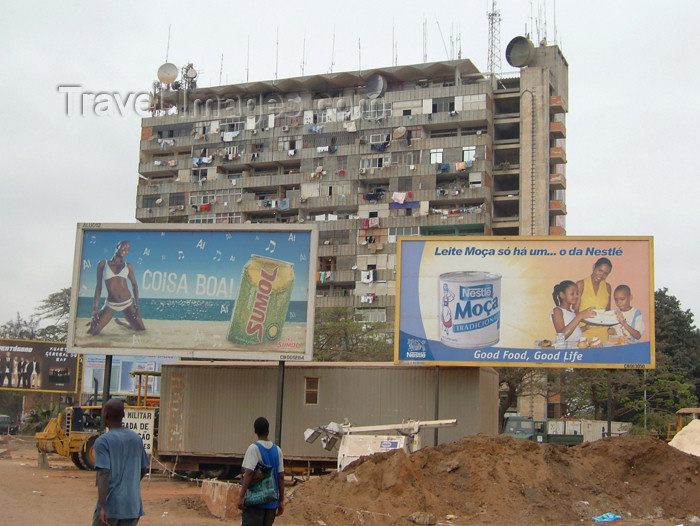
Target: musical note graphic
[93,239]
[218,256]
[271,247]
[180,254]
[232,258]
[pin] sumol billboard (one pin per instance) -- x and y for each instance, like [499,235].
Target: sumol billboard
[205,291]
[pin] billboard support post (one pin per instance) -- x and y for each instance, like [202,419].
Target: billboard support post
[106,380]
[280,397]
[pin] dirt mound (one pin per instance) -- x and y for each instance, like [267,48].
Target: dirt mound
[503,480]
[688,439]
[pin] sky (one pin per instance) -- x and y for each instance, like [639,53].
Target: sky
[632,72]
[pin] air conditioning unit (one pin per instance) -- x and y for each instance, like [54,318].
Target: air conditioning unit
[363,171]
[254,132]
[285,128]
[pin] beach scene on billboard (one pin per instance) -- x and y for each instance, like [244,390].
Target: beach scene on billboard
[192,292]
[37,366]
[573,302]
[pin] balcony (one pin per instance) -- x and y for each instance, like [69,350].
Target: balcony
[557,155]
[557,182]
[557,231]
[557,207]
[557,130]
[557,104]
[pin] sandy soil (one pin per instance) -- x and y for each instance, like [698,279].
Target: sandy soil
[477,480]
[175,335]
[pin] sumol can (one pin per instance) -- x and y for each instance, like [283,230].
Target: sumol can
[263,301]
[470,309]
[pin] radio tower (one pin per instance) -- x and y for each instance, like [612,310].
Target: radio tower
[494,59]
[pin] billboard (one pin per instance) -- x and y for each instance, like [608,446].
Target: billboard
[199,291]
[37,366]
[122,383]
[526,301]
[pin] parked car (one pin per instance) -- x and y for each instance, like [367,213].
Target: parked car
[6,425]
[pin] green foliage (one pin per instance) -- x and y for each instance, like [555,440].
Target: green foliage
[20,329]
[339,338]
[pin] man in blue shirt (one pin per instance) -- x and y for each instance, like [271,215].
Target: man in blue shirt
[269,454]
[121,462]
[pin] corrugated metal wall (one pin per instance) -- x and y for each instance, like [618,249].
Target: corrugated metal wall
[208,408]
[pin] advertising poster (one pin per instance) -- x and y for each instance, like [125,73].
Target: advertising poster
[204,291]
[142,420]
[37,366]
[122,383]
[526,302]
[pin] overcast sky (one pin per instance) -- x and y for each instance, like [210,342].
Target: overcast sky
[633,68]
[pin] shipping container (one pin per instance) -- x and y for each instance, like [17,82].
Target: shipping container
[208,407]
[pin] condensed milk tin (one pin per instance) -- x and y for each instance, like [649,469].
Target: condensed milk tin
[263,301]
[470,309]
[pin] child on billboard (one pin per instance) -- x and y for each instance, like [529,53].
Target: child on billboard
[564,316]
[631,320]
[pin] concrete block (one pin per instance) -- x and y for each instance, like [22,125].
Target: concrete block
[221,498]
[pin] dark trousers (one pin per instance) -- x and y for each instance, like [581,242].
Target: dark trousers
[258,517]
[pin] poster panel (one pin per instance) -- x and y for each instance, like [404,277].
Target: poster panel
[30,365]
[201,291]
[526,301]
[122,383]
[142,420]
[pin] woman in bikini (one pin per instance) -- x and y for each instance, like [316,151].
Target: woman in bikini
[115,273]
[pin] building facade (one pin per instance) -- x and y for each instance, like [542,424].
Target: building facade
[427,149]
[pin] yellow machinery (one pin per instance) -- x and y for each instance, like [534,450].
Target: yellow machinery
[684,415]
[59,436]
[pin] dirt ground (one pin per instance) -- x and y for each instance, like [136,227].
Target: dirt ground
[477,480]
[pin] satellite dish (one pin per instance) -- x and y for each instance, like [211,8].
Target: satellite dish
[520,52]
[376,86]
[399,132]
[167,73]
[191,73]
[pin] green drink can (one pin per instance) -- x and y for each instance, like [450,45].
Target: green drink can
[263,301]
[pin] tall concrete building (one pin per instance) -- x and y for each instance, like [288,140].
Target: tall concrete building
[425,149]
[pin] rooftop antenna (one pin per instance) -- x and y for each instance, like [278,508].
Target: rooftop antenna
[425,39]
[554,6]
[247,62]
[494,56]
[393,44]
[442,38]
[167,49]
[330,70]
[277,51]
[221,69]
[303,55]
[359,56]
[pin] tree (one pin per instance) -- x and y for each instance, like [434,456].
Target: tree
[338,337]
[20,328]
[55,307]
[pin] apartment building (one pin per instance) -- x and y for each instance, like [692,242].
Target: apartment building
[425,149]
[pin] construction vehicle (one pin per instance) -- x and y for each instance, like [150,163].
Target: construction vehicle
[72,433]
[684,416]
[536,431]
[355,442]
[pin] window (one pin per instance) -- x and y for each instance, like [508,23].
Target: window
[379,138]
[311,384]
[370,315]
[438,134]
[149,201]
[405,158]
[177,199]
[405,184]
[394,232]
[257,147]
[436,155]
[232,124]
[229,217]
[406,113]
[342,161]
[201,218]
[444,104]
[198,174]
[468,153]
[375,162]
[375,109]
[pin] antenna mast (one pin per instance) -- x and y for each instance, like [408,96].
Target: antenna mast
[494,57]
[221,70]
[303,55]
[167,49]
[277,51]
[425,39]
[330,70]
[247,61]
